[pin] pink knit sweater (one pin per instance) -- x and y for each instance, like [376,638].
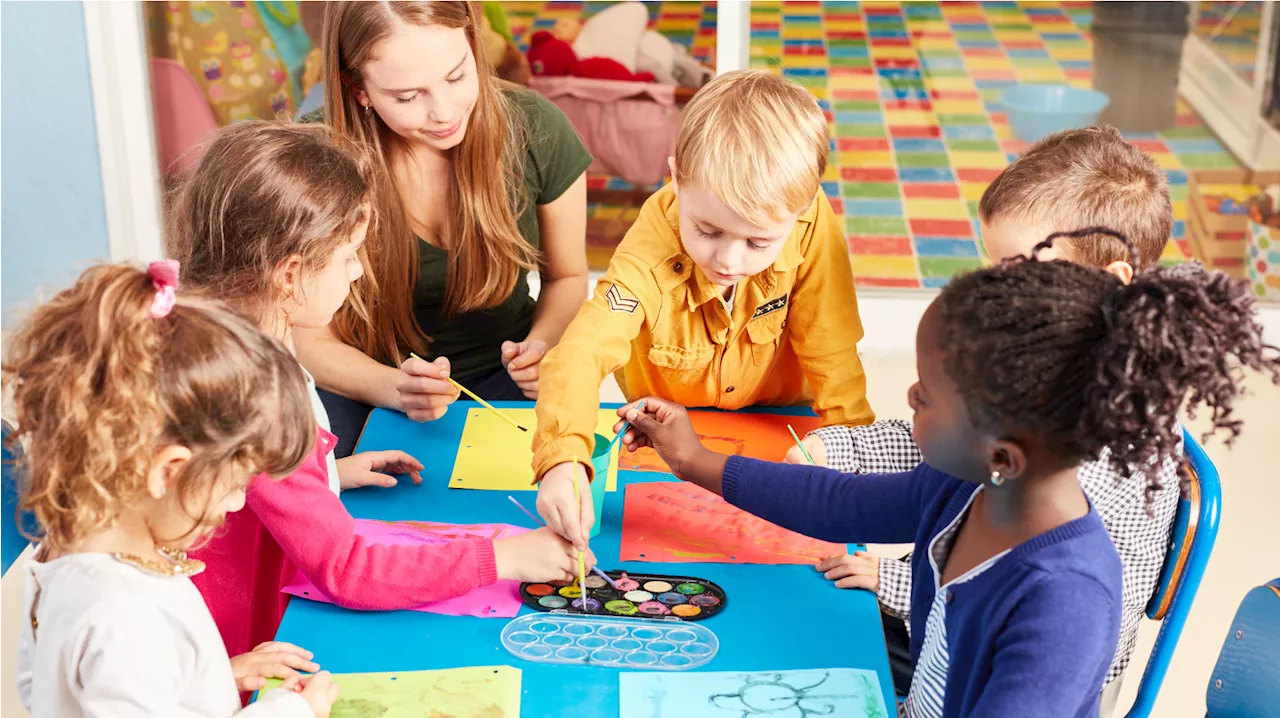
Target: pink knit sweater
[298,521]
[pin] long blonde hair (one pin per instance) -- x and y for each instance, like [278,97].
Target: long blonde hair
[486,250]
[99,385]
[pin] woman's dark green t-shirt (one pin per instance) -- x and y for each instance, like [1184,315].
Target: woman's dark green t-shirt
[554,158]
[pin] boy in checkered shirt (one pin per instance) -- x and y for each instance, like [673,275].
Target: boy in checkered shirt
[1070,180]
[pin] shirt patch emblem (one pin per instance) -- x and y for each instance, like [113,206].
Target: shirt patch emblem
[619,303]
[771,306]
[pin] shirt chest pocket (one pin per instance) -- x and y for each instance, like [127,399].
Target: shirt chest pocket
[679,361]
[764,335]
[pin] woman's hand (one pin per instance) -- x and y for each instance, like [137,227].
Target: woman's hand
[524,362]
[375,468]
[274,659]
[425,393]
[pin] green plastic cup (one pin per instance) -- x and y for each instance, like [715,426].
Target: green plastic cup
[600,464]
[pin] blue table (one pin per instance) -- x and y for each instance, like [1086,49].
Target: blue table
[827,628]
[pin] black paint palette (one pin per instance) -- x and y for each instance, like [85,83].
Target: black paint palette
[681,598]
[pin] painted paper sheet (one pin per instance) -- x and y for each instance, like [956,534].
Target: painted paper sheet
[497,600]
[843,692]
[681,523]
[758,436]
[475,692]
[495,456]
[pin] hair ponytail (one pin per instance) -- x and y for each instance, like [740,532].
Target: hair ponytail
[1176,334]
[100,381]
[1072,355]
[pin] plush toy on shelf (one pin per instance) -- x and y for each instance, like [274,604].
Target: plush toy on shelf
[614,44]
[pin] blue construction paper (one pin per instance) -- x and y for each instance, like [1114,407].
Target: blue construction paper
[843,692]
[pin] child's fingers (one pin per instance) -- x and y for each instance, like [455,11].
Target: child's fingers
[830,562]
[284,646]
[248,684]
[290,684]
[840,571]
[857,581]
[297,662]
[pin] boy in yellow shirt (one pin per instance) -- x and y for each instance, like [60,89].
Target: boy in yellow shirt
[732,289]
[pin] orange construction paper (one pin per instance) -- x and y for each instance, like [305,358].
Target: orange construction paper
[670,522]
[758,436]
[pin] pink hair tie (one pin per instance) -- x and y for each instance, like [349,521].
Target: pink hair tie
[164,275]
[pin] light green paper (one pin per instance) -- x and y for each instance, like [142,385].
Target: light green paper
[475,692]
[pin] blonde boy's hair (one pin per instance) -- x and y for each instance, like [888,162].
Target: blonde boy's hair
[1082,178]
[757,141]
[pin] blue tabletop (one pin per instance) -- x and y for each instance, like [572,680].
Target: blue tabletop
[821,626]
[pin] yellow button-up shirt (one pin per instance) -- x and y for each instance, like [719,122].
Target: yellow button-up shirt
[789,337]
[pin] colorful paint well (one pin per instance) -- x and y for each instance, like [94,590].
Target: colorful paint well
[658,597]
[553,602]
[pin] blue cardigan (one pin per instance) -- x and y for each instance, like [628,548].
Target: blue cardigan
[1031,636]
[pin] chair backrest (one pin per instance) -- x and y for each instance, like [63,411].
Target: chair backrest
[1195,529]
[183,116]
[14,543]
[1246,679]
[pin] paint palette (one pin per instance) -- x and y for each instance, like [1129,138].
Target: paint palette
[610,642]
[638,596]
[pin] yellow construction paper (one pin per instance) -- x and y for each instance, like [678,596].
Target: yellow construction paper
[476,692]
[494,456]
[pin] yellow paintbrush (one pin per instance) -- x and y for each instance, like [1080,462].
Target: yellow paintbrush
[582,572]
[483,403]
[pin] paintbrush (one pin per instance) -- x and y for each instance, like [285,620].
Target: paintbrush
[594,569]
[582,578]
[802,449]
[472,394]
[625,426]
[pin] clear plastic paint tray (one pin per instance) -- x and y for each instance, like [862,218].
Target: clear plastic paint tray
[642,644]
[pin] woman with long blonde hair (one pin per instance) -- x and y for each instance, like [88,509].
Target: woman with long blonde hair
[477,183]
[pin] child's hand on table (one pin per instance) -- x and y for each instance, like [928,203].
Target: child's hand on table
[524,362]
[567,514]
[665,426]
[425,393]
[816,447]
[320,692]
[367,469]
[857,570]
[538,556]
[274,659]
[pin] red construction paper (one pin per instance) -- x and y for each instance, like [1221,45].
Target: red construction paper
[681,523]
[758,436]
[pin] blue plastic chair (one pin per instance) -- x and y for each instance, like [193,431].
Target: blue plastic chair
[1246,679]
[14,543]
[1195,529]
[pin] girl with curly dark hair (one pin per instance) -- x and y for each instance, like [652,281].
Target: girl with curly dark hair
[1025,369]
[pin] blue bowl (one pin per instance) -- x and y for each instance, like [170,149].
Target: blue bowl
[1037,111]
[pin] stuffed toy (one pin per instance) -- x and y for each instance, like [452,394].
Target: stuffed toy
[550,56]
[619,32]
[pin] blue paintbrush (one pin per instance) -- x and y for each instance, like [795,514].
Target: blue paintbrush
[625,426]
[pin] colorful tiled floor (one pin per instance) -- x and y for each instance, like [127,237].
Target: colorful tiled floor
[913,95]
[1232,30]
[912,91]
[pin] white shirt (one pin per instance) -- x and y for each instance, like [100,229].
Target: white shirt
[929,684]
[115,641]
[322,418]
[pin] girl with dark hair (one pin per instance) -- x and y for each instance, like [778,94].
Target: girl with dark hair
[1025,369]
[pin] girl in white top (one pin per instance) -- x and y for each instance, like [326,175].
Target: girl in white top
[144,416]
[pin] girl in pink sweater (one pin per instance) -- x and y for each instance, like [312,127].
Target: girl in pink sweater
[273,220]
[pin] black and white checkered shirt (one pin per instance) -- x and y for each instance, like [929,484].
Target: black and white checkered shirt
[886,447]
